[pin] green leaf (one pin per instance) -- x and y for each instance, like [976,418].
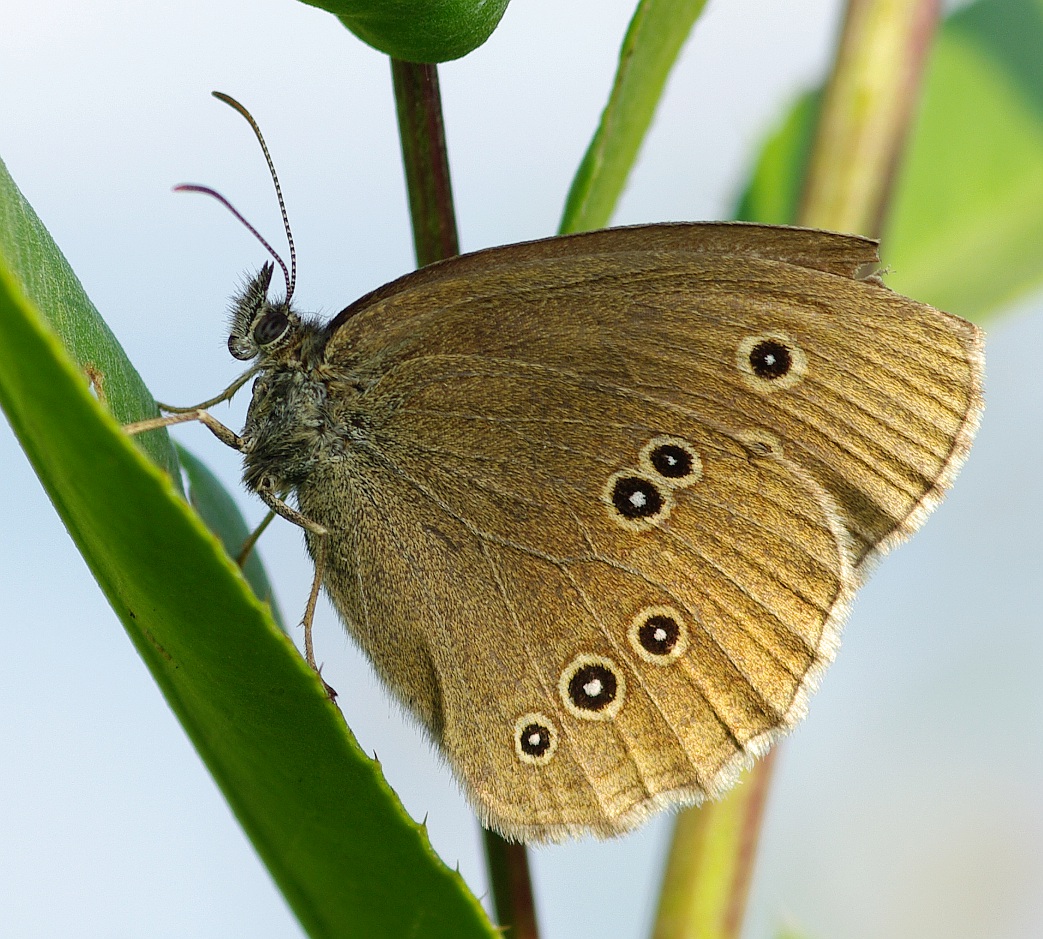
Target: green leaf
[965,231]
[419,30]
[318,811]
[773,194]
[656,34]
[1009,33]
[221,515]
[53,288]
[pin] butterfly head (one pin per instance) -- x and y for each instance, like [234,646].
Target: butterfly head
[284,425]
[261,327]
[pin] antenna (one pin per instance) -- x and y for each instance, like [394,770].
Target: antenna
[291,275]
[207,191]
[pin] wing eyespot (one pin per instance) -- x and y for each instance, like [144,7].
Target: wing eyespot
[771,362]
[658,634]
[535,739]
[635,500]
[673,461]
[592,688]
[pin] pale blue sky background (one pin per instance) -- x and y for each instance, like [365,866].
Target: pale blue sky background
[907,805]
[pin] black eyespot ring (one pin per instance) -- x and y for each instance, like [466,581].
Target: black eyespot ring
[672,460]
[771,361]
[535,738]
[658,634]
[271,327]
[592,687]
[636,497]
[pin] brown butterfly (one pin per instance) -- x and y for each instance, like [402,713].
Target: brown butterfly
[595,506]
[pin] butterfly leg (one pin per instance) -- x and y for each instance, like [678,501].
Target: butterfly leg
[225,395]
[279,507]
[226,435]
[197,412]
[255,536]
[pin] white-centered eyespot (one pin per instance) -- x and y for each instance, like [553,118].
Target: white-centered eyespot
[535,738]
[771,361]
[658,634]
[636,499]
[592,688]
[671,460]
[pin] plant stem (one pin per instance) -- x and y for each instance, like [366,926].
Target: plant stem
[422,133]
[710,864]
[511,886]
[426,161]
[654,39]
[866,113]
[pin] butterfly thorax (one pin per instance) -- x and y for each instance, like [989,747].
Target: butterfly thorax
[286,430]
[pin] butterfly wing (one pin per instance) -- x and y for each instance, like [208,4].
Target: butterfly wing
[608,495]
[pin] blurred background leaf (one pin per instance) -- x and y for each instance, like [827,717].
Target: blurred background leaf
[965,231]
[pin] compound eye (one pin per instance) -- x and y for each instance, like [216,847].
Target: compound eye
[271,328]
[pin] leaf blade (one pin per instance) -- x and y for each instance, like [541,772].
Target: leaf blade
[653,41]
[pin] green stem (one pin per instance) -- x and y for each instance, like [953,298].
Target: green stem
[656,34]
[511,886]
[426,161]
[867,110]
[710,864]
[422,132]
